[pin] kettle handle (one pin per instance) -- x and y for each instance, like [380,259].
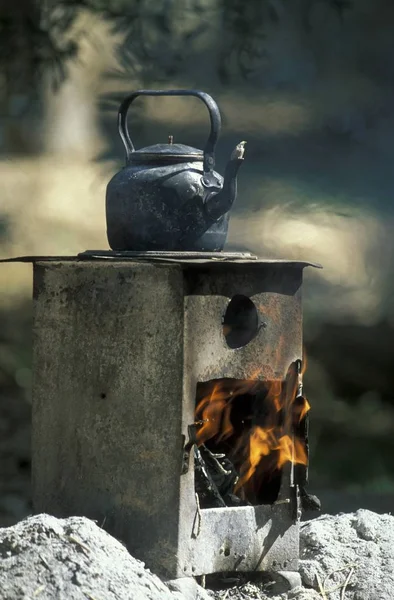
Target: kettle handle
[214,115]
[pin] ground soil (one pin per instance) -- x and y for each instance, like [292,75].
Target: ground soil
[344,557]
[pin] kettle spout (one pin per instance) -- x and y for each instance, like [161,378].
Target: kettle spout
[220,203]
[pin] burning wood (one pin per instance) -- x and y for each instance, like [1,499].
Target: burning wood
[246,432]
[216,479]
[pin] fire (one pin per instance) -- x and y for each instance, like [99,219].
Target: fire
[215,415]
[260,444]
[264,441]
[304,410]
[293,451]
[257,421]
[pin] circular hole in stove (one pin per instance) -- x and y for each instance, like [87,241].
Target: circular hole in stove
[240,321]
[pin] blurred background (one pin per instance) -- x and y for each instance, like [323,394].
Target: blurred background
[310,85]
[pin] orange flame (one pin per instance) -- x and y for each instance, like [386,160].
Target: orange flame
[275,437]
[215,409]
[260,444]
[263,442]
[304,410]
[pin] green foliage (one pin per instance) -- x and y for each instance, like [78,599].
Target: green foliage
[36,35]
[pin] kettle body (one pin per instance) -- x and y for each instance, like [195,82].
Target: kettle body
[168,197]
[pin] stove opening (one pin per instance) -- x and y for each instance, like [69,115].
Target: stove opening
[240,322]
[248,433]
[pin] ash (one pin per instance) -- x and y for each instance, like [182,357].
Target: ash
[265,589]
[358,546]
[254,591]
[344,557]
[71,559]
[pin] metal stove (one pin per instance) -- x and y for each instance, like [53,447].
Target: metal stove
[123,342]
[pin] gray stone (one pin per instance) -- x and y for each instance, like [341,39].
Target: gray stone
[186,588]
[303,594]
[71,559]
[291,579]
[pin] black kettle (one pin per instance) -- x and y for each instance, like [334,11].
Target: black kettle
[168,197]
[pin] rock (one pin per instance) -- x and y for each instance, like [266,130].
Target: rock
[303,594]
[286,581]
[186,588]
[364,541]
[71,559]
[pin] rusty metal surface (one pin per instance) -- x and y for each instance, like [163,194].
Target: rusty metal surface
[275,290]
[107,400]
[242,539]
[33,259]
[119,348]
[163,254]
[191,258]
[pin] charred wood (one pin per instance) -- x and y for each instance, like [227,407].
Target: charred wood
[206,489]
[215,479]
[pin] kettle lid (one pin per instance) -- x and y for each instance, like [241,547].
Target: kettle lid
[166,153]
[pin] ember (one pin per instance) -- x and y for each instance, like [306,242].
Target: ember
[257,427]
